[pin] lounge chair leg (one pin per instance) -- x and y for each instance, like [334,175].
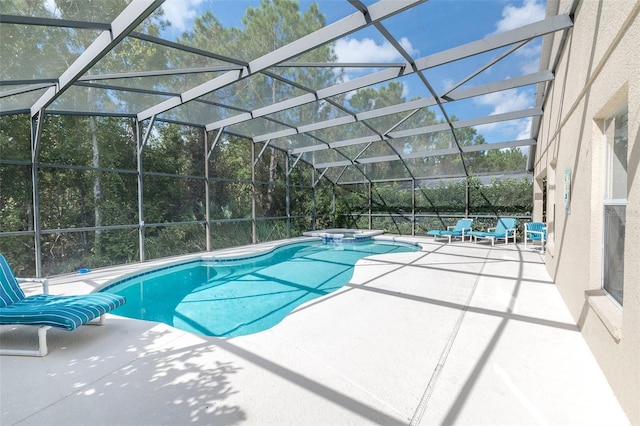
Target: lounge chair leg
[99,322]
[42,346]
[43,350]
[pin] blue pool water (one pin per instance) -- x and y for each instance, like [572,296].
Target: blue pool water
[235,298]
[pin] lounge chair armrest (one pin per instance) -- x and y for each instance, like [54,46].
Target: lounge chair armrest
[541,233]
[466,230]
[491,229]
[450,228]
[43,281]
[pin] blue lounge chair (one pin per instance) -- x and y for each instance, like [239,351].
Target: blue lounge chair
[46,311]
[535,231]
[461,230]
[504,230]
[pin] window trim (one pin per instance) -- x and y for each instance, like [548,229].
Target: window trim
[606,191]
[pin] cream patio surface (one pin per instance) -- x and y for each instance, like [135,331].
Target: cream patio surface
[457,333]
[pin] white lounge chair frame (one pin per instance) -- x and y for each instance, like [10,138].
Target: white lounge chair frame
[43,349]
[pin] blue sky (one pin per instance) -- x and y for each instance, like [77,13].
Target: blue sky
[435,26]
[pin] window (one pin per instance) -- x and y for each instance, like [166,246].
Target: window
[615,203]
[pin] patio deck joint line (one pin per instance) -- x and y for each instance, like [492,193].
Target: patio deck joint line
[422,405]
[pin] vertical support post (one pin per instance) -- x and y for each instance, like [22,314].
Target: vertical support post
[253,193]
[413,207]
[313,201]
[370,204]
[333,205]
[36,134]
[207,195]
[139,145]
[288,195]
[467,198]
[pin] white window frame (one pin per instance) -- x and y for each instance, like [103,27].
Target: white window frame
[606,202]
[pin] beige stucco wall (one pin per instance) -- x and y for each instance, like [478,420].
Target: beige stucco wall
[598,72]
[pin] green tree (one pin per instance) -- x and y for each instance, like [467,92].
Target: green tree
[273,24]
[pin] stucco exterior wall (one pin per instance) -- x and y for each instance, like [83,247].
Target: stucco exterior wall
[597,73]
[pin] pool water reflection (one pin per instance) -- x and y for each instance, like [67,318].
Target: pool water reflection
[238,297]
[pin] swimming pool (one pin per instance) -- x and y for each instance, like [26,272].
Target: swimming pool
[226,297]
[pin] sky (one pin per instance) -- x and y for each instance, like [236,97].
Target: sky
[432,27]
[439,25]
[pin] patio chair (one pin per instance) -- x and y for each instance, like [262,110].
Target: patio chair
[461,230]
[535,231]
[504,230]
[45,310]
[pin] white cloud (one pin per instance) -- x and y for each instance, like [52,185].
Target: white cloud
[367,50]
[530,67]
[530,54]
[180,12]
[525,129]
[506,130]
[483,129]
[447,84]
[507,101]
[52,7]
[406,45]
[514,17]
[530,50]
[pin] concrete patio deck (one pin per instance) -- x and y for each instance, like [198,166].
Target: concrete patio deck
[454,334]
